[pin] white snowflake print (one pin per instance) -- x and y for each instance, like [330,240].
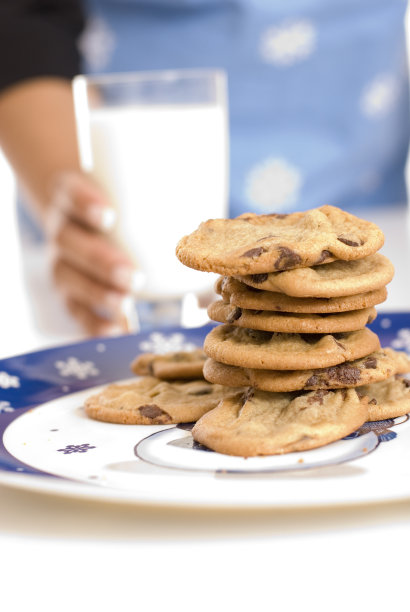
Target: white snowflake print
[160,343]
[7,381]
[73,367]
[5,407]
[289,43]
[97,43]
[402,341]
[273,184]
[379,97]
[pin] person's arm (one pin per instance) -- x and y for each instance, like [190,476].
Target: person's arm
[37,133]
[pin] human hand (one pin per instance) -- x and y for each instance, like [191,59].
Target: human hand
[93,275]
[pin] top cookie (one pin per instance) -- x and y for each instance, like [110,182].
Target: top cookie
[255,244]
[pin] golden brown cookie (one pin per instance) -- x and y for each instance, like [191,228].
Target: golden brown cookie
[150,401]
[275,351]
[387,399]
[291,322]
[336,279]
[262,423]
[244,296]
[373,368]
[170,366]
[254,244]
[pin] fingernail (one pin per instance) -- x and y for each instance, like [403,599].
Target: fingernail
[127,306]
[101,217]
[115,304]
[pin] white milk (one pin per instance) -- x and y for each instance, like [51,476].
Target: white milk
[165,170]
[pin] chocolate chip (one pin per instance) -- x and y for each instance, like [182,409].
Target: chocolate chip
[234,315]
[151,411]
[371,319]
[349,242]
[406,382]
[259,278]
[373,401]
[344,373]
[203,391]
[323,256]
[340,345]
[255,252]
[287,259]
[278,215]
[312,381]
[370,363]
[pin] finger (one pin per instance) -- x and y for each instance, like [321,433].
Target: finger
[79,197]
[100,298]
[93,324]
[95,256]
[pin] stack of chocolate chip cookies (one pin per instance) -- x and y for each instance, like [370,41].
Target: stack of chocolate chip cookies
[297,293]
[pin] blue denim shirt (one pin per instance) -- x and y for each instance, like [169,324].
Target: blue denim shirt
[318,90]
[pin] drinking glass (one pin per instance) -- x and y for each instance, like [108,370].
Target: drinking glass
[157,142]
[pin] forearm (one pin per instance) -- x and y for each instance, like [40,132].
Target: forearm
[37,134]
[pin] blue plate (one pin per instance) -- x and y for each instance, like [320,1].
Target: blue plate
[48,444]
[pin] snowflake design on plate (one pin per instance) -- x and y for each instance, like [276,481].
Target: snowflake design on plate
[273,184]
[97,43]
[5,407]
[289,43]
[161,343]
[73,367]
[7,381]
[402,340]
[75,448]
[380,96]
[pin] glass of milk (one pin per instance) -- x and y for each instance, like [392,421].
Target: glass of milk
[157,142]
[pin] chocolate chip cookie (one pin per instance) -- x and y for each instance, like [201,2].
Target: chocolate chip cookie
[245,296]
[291,322]
[276,351]
[373,368]
[169,366]
[150,401]
[336,279]
[387,399]
[262,423]
[259,244]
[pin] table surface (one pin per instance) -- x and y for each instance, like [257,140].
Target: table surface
[69,554]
